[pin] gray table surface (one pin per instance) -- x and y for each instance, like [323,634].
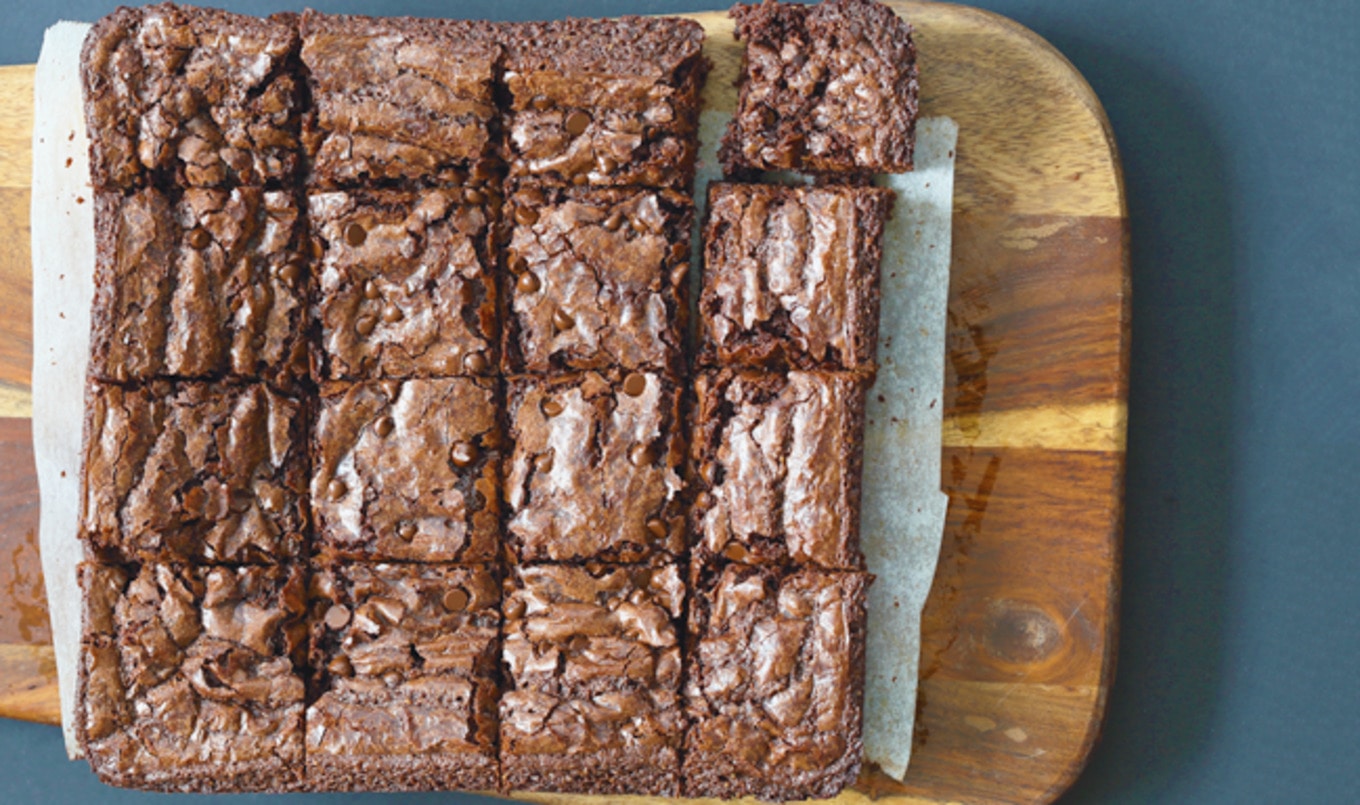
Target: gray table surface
[1239,126]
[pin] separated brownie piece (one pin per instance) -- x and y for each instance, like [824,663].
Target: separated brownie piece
[791,276]
[829,88]
[191,96]
[599,280]
[776,464]
[593,659]
[404,658]
[189,677]
[194,472]
[408,470]
[202,283]
[775,687]
[405,285]
[594,468]
[604,102]
[399,99]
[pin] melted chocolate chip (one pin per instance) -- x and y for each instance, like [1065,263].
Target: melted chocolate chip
[455,600]
[528,282]
[463,454]
[634,384]
[355,235]
[337,617]
[199,238]
[577,122]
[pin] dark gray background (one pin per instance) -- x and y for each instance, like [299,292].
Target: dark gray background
[1239,127]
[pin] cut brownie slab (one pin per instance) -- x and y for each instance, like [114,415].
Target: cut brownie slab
[195,472]
[594,468]
[199,284]
[192,97]
[829,88]
[604,102]
[592,656]
[776,465]
[399,99]
[598,280]
[404,658]
[776,684]
[791,276]
[405,285]
[189,677]
[408,470]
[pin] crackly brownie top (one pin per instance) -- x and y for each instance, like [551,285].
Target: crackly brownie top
[399,98]
[599,279]
[405,289]
[594,472]
[196,472]
[191,95]
[408,470]
[791,275]
[652,48]
[829,88]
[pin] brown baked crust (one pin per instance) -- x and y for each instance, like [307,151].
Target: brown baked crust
[791,276]
[400,100]
[775,688]
[167,101]
[826,89]
[408,470]
[597,279]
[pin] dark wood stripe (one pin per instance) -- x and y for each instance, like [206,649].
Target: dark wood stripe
[23,619]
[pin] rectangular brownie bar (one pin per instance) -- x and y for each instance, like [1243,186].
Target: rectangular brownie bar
[775,687]
[598,279]
[199,283]
[776,463]
[405,664]
[604,102]
[193,97]
[829,88]
[592,658]
[189,678]
[405,283]
[194,472]
[791,276]
[399,99]
[408,470]
[593,473]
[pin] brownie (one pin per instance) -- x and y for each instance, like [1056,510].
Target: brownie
[776,462]
[592,663]
[791,276]
[408,470]
[405,283]
[775,686]
[194,472]
[826,89]
[594,467]
[201,283]
[189,677]
[398,99]
[598,279]
[604,102]
[405,665]
[191,97]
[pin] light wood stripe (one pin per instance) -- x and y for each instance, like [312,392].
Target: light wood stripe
[15,402]
[16,126]
[28,683]
[1096,426]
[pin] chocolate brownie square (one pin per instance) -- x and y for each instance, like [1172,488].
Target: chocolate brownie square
[194,472]
[592,658]
[189,677]
[408,470]
[604,102]
[775,689]
[791,276]
[829,88]
[193,97]
[598,280]
[405,664]
[203,283]
[405,283]
[776,464]
[399,99]
[594,468]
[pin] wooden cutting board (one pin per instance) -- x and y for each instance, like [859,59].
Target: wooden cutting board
[1021,624]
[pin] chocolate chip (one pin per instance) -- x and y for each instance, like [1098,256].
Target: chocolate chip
[678,273]
[514,608]
[271,498]
[336,489]
[580,179]
[365,325]
[551,407]
[526,216]
[528,282]
[472,195]
[407,532]
[577,123]
[634,384]
[455,600]
[371,290]
[337,617]
[340,666]
[476,363]
[544,462]
[392,314]
[562,320]
[658,528]
[463,453]
[641,226]
[518,264]
[641,455]
[703,502]
[540,103]
[355,235]
[383,427]
[614,221]
[735,552]
[199,238]
[290,272]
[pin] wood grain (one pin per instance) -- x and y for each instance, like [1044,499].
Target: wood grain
[1020,627]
